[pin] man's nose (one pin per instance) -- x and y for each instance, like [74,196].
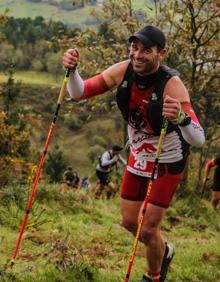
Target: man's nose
[138,54]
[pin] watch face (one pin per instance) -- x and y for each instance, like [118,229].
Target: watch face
[186,121]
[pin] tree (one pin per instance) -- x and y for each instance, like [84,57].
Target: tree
[14,134]
[10,92]
[54,64]
[55,164]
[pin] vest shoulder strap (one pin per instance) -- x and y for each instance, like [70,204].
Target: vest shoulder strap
[164,74]
[124,92]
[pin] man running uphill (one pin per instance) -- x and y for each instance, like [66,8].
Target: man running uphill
[147,92]
[107,161]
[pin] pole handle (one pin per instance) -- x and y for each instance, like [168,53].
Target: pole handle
[63,86]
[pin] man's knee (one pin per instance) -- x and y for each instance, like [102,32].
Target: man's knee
[149,233]
[129,225]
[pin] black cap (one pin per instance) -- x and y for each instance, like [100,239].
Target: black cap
[116,148]
[150,36]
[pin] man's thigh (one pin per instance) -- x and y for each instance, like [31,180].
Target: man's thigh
[134,188]
[130,210]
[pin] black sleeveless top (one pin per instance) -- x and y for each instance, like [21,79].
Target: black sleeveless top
[154,112]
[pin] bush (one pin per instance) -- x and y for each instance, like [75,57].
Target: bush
[94,153]
[56,164]
[72,122]
[98,140]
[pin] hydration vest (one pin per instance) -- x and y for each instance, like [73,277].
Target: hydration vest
[106,166]
[155,104]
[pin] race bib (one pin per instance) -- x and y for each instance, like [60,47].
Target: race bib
[140,166]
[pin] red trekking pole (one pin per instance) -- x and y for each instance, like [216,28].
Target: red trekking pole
[149,188]
[43,156]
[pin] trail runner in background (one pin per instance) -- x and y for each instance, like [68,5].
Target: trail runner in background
[147,91]
[215,198]
[71,178]
[107,161]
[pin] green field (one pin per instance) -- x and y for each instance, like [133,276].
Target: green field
[79,18]
[23,9]
[32,77]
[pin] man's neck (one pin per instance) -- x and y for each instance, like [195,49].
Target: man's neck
[151,72]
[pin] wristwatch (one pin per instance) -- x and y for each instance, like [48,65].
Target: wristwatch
[186,120]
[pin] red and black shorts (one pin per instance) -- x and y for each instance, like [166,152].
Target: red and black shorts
[134,187]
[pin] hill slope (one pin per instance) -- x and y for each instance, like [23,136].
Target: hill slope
[21,9]
[80,17]
[71,237]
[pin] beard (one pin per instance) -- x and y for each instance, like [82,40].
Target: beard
[143,67]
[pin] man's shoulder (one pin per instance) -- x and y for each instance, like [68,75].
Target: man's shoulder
[176,89]
[115,73]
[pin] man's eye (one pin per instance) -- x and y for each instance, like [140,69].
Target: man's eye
[147,51]
[133,47]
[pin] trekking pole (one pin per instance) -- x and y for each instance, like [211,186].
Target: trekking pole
[204,187]
[149,188]
[43,156]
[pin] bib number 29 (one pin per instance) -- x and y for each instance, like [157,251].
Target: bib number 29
[140,164]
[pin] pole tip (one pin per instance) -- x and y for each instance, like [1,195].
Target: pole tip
[12,262]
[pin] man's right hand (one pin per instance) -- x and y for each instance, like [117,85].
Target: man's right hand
[70,58]
[116,158]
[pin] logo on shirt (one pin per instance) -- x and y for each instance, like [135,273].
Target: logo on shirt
[124,84]
[154,97]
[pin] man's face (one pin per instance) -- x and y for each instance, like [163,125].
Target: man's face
[116,152]
[145,60]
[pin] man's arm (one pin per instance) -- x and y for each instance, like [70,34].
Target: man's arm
[177,106]
[122,160]
[208,166]
[98,84]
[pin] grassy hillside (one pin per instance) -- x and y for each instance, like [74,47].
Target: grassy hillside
[24,8]
[96,131]
[78,18]
[32,77]
[71,237]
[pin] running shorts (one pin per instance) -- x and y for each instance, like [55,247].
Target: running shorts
[103,177]
[134,188]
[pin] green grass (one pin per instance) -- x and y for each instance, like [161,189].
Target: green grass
[33,77]
[86,232]
[142,5]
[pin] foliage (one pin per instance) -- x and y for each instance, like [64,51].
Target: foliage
[14,134]
[33,39]
[94,153]
[193,33]
[55,164]
[54,64]
[72,122]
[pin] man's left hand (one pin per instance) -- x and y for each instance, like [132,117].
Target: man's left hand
[172,110]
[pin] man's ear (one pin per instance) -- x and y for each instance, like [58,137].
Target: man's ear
[162,53]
